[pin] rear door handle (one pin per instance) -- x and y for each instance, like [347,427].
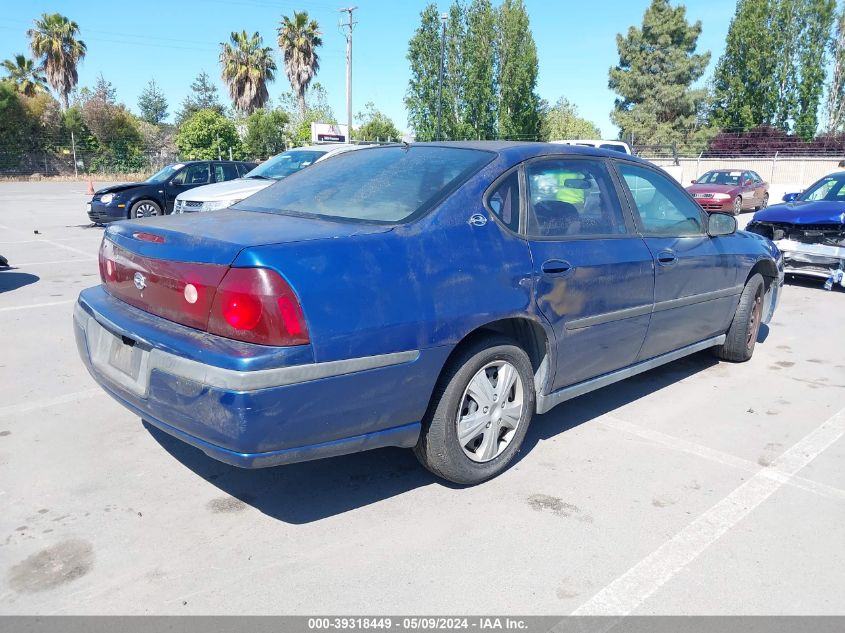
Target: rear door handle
[666,258]
[556,267]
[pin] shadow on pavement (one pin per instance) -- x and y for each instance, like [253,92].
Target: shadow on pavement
[310,491]
[11,280]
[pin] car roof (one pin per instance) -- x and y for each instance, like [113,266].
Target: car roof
[522,150]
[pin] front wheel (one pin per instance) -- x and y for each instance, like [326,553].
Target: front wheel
[479,412]
[742,334]
[144,209]
[737,205]
[764,203]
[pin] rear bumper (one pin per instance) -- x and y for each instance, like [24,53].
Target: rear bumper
[248,405]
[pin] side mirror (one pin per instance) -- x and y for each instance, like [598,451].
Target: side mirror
[790,197]
[749,182]
[721,224]
[692,182]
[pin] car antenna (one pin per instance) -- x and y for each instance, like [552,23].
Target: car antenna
[405,144]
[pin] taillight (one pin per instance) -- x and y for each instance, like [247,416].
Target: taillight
[257,306]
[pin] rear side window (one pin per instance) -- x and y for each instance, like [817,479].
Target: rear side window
[663,207]
[571,198]
[225,171]
[504,201]
[383,184]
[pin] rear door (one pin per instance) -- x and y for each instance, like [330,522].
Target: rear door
[225,171]
[594,275]
[695,289]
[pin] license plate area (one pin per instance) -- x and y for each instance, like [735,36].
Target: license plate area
[119,358]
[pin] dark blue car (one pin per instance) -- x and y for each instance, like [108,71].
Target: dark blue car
[432,296]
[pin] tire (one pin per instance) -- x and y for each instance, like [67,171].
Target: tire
[737,205]
[483,453]
[144,209]
[742,334]
[765,202]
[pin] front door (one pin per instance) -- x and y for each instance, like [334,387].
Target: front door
[193,175]
[695,288]
[594,275]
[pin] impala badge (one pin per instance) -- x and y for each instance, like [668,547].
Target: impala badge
[140,281]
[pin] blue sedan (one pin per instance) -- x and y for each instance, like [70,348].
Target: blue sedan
[429,296]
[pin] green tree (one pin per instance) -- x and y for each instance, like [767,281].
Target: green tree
[835,105]
[152,103]
[814,40]
[317,110]
[24,76]
[375,125]
[480,88]
[299,39]
[207,134]
[203,96]
[14,125]
[454,75]
[657,67]
[247,67]
[424,58]
[266,133]
[54,42]
[561,122]
[772,70]
[519,116]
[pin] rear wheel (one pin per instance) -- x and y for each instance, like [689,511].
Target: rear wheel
[144,209]
[479,412]
[742,335]
[737,205]
[764,203]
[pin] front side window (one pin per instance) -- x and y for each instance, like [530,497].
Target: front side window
[196,174]
[385,184]
[571,198]
[663,207]
[504,201]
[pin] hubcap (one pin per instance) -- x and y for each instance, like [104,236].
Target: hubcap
[754,320]
[737,206]
[490,411]
[147,210]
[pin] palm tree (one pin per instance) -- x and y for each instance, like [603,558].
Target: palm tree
[53,42]
[299,40]
[25,76]
[247,67]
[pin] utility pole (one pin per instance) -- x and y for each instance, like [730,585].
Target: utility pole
[73,144]
[349,26]
[438,136]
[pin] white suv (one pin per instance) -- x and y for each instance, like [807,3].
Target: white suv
[224,194]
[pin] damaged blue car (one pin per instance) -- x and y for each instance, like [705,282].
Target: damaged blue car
[809,229]
[433,296]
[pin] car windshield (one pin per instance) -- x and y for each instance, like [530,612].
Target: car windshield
[285,164]
[720,178]
[382,184]
[164,174]
[828,188]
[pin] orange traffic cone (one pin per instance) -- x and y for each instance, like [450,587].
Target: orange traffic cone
[90,187]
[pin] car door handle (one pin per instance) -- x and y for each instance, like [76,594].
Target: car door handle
[556,267]
[666,258]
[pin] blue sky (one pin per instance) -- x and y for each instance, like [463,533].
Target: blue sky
[133,42]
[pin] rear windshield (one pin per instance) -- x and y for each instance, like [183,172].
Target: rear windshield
[381,184]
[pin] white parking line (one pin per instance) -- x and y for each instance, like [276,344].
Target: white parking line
[16,409]
[87,254]
[685,446]
[37,305]
[631,589]
[55,261]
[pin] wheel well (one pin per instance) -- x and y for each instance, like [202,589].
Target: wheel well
[767,268]
[530,336]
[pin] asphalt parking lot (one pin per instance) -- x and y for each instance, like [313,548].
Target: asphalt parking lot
[702,487]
